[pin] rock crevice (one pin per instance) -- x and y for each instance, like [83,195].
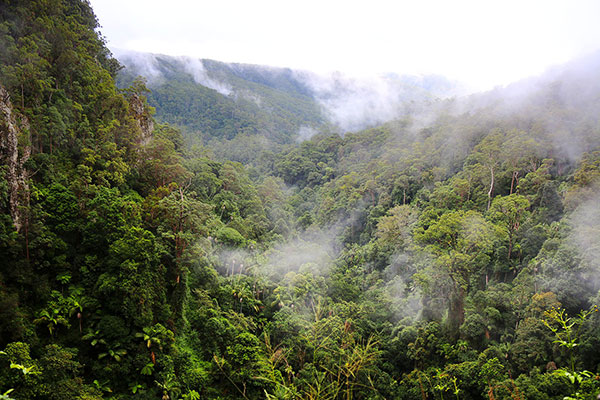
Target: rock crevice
[13,156]
[141,114]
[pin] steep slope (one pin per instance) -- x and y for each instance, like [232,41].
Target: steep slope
[437,255]
[221,100]
[278,103]
[473,224]
[100,218]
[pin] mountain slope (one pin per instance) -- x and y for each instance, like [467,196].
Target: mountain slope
[438,255]
[222,100]
[274,102]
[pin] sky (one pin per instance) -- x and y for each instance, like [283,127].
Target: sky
[480,43]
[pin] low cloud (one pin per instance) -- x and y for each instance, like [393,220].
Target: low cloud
[149,66]
[355,103]
[305,133]
[314,248]
[195,67]
[585,235]
[144,64]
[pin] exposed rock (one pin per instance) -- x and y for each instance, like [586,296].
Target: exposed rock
[13,158]
[141,113]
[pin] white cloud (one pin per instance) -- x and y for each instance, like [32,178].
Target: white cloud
[483,43]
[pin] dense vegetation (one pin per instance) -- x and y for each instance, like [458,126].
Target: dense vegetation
[452,258]
[241,110]
[238,109]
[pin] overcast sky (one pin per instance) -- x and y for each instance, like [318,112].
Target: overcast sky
[482,43]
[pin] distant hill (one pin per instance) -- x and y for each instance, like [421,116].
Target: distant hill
[224,100]
[563,102]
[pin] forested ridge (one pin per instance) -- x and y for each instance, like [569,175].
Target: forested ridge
[241,110]
[452,253]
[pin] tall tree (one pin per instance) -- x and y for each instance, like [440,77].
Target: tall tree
[462,242]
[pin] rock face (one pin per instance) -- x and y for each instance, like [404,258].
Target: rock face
[141,114]
[13,158]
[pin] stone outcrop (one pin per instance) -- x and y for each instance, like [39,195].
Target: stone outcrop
[141,114]
[13,157]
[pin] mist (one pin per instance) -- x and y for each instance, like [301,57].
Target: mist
[585,234]
[305,133]
[354,103]
[313,250]
[156,68]
[348,102]
[145,64]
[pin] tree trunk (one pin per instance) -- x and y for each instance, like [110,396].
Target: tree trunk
[515,176]
[27,239]
[456,311]
[491,191]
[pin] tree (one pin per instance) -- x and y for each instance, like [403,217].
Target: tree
[487,154]
[510,212]
[520,151]
[567,332]
[462,243]
[395,229]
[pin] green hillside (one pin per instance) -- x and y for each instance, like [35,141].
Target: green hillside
[240,100]
[239,110]
[451,252]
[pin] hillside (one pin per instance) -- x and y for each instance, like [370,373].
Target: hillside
[257,107]
[451,251]
[220,100]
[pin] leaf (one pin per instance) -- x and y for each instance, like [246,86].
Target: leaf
[148,369]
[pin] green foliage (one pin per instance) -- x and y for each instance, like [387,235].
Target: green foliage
[567,331]
[230,236]
[397,262]
[271,103]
